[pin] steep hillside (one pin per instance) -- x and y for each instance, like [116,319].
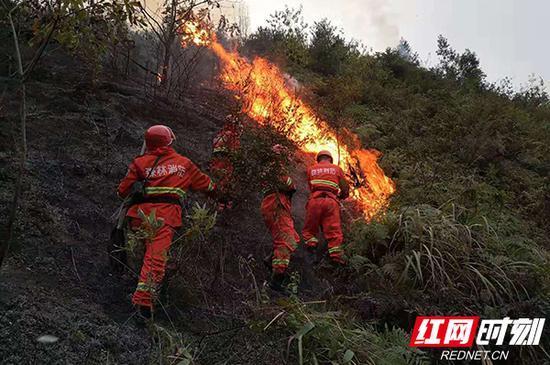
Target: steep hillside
[57,280]
[466,231]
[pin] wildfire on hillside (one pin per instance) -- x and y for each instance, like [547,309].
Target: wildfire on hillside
[267,98]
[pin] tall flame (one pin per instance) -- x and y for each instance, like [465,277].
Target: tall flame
[267,98]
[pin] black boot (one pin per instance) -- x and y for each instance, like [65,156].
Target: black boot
[276,282]
[338,261]
[144,314]
[311,255]
[312,250]
[267,262]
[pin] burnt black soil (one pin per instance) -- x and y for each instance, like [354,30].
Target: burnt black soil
[57,280]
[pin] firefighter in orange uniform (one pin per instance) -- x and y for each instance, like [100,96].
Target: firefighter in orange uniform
[226,142]
[166,176]
[328,185]
[277,213]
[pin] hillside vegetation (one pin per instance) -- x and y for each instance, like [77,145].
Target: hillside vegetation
[466,233]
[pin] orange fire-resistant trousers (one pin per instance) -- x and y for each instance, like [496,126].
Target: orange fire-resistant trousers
[323,210]
[154,264]
[277,213]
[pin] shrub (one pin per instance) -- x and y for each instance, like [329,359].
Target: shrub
[321,335]
[460,266]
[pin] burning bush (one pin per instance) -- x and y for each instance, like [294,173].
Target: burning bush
[267,99]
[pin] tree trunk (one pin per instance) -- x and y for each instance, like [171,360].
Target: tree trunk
[168,41]
[166,59]
[14,206]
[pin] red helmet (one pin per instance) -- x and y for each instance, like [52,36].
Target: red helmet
[324,153]
[159,136]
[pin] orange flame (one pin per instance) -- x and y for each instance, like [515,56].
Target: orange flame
[267,98]
[192,33]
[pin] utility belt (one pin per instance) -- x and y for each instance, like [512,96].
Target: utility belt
[163,199]
[324,193]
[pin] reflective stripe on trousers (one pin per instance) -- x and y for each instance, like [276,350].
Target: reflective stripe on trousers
[154,264]
[276,211]
[324,212]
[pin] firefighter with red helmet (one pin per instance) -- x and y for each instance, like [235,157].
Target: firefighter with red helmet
[225,143]
[276,210]
[164,177]
[328,185]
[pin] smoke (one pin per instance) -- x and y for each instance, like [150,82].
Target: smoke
[387,30]
[372,20]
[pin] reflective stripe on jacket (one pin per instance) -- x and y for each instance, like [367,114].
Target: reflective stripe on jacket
[173,176]
[327,177]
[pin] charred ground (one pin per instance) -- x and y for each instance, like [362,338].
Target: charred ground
[58,281]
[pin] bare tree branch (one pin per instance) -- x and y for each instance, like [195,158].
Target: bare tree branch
[152,18]
[144,68]
[5,244]
[40,50]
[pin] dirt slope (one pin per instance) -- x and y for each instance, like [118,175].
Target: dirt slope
[58,281]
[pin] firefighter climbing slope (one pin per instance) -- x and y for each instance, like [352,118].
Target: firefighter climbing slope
[277,213]
[225,143]
[328,185]
[165,178]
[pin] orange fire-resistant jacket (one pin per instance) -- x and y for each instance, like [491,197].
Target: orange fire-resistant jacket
[173,176]
[226,141]
[325,177]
